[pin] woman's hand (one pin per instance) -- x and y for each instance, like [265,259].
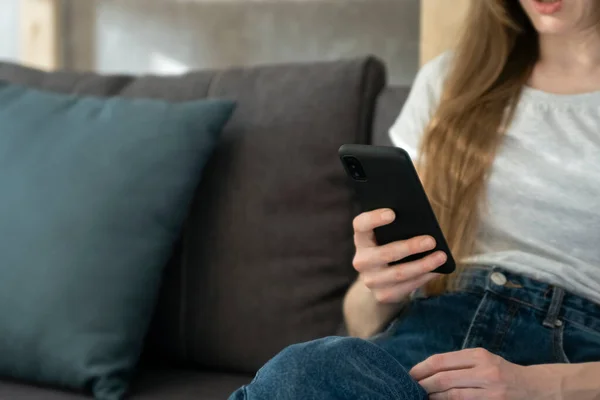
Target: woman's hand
[381,290]
[475,374]
[391,284]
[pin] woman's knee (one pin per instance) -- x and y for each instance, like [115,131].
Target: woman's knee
[300,359]
[294,373]
[333,367]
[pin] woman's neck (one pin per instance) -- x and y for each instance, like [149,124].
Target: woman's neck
[577,51]
[568,64]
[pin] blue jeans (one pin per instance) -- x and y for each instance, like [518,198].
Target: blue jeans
[522,320]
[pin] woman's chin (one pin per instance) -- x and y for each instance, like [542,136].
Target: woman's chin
[549,25]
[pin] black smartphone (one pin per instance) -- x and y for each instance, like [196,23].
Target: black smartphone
[385,177]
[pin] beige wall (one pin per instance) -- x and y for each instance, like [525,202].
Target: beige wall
[141,36]
[9,26]
[441,21]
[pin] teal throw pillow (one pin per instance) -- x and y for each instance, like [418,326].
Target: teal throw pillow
[93,195]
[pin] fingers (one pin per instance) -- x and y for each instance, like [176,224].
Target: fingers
[384,277]
[365,223]
[445,381]
[399,292]
[459,394]
[371,257]
[462,359]
[373,219]
[364,239]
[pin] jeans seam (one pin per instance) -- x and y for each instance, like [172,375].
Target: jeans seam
[525,303]
[582,327]
[475,315]
[579,325]
[558,344]
[504,327]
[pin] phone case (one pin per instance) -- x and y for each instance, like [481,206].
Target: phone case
[390,181]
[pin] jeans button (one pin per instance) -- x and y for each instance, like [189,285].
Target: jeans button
[498,278]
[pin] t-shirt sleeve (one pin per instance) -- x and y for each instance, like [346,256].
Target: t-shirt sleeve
[420,105]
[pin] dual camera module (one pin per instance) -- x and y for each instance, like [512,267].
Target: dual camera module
[354,168]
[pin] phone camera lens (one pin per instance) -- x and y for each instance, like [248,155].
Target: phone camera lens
[355,169]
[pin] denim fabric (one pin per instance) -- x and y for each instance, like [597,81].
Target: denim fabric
[525,321]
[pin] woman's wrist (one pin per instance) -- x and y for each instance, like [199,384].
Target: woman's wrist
[564,381]
[365,316]
[581,381]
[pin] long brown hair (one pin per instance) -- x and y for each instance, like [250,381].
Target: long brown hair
[490,65]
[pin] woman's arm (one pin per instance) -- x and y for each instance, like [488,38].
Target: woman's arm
[364,315]
[567,381]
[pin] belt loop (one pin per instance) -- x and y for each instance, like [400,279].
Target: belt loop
[552,320]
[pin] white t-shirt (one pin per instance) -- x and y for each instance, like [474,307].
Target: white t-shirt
[543,211]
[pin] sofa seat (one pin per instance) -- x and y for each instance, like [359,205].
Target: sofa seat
[151,385]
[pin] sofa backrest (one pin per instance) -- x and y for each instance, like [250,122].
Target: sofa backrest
[265,258]
[390,102]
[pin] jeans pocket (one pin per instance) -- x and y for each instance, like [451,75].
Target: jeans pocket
[386,332]
[577,344]
[391,327]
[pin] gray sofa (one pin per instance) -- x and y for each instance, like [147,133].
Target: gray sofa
[265,257]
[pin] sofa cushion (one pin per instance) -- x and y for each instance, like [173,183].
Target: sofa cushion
[158,384]
[21,391]
[266,256]
[185,384]
[94,194]
[389,104]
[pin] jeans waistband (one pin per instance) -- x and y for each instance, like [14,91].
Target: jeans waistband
[554,302]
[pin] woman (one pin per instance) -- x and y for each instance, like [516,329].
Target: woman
[506,131]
